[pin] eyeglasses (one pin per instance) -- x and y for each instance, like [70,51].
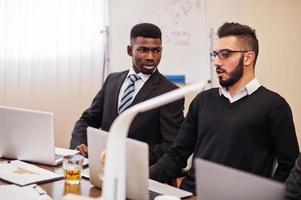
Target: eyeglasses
[223,53]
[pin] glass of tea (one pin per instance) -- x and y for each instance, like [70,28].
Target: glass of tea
[72,166]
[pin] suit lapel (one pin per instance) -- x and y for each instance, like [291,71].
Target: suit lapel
[115,91]
[147,88]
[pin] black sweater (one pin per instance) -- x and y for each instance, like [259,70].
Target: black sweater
[247,134]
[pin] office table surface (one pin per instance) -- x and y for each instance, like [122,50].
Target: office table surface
[57,189]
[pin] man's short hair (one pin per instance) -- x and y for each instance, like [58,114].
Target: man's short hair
[245,34]
[146,30]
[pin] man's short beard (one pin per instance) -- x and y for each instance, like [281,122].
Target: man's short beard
[235,75]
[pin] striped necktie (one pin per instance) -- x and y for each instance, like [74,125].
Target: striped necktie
[127,96]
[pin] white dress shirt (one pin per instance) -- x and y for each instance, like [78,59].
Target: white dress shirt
[251,87]
[138,84]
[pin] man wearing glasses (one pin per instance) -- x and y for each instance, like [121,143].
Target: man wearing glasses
[241,124]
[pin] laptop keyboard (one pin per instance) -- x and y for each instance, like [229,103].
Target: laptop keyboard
[153,194]
[56,156]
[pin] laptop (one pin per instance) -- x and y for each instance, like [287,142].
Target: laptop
[138,186]
[214,181]
[27,135]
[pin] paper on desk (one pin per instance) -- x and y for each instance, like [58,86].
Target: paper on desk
[86,161]
[30,192]
[22,173]
[85,173]
[65,152]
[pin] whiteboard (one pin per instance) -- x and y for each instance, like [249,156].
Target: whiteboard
[185,35]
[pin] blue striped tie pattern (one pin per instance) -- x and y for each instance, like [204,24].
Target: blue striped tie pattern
[127,96]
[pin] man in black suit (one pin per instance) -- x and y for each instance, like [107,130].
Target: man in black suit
[157,127]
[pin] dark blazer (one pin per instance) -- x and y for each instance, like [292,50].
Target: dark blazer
[157,127]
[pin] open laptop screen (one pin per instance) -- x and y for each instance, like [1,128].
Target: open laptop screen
[216,181]
[27,135]
[138,186]
[136,168]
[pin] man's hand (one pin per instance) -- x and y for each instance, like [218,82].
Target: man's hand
[83,150]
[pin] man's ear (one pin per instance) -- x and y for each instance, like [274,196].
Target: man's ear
[129,49]
[249,58]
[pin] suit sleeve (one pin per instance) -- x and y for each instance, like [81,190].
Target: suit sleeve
[284,139]
[91,117]
[170,119]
